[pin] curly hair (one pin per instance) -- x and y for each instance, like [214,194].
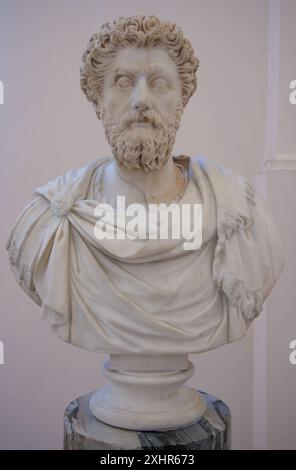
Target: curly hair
[138,31]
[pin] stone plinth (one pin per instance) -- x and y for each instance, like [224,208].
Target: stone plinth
[83,431]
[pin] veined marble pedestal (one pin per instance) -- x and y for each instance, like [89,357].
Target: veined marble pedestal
[148,393]
[83,431]
[146,405]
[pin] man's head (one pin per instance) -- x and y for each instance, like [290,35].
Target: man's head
[139,74]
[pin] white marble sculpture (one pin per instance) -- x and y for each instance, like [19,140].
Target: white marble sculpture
[147,302]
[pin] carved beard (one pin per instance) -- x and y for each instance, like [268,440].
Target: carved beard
[149,147]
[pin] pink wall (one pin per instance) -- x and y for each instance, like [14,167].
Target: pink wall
[47,127]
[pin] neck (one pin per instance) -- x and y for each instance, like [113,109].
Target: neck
[157,185]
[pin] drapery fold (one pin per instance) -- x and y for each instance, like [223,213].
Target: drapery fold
[147,296]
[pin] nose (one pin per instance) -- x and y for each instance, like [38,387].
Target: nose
[141,100]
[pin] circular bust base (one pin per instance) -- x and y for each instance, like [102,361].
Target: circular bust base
[154,421]
[149,400]
[83,431]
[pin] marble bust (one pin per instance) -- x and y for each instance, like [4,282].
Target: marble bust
[145,298]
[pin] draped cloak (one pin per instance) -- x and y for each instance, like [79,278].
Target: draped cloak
[147,296]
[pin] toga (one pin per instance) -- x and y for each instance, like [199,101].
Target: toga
[147,296]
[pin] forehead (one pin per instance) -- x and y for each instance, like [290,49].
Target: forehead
[143,60]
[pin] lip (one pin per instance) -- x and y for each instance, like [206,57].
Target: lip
[141,124]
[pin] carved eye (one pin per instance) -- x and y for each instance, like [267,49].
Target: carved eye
[159,83]
[124,82]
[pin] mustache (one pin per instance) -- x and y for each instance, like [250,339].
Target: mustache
[147,116]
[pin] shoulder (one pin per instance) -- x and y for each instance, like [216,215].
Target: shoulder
[75,181]
[206,164]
